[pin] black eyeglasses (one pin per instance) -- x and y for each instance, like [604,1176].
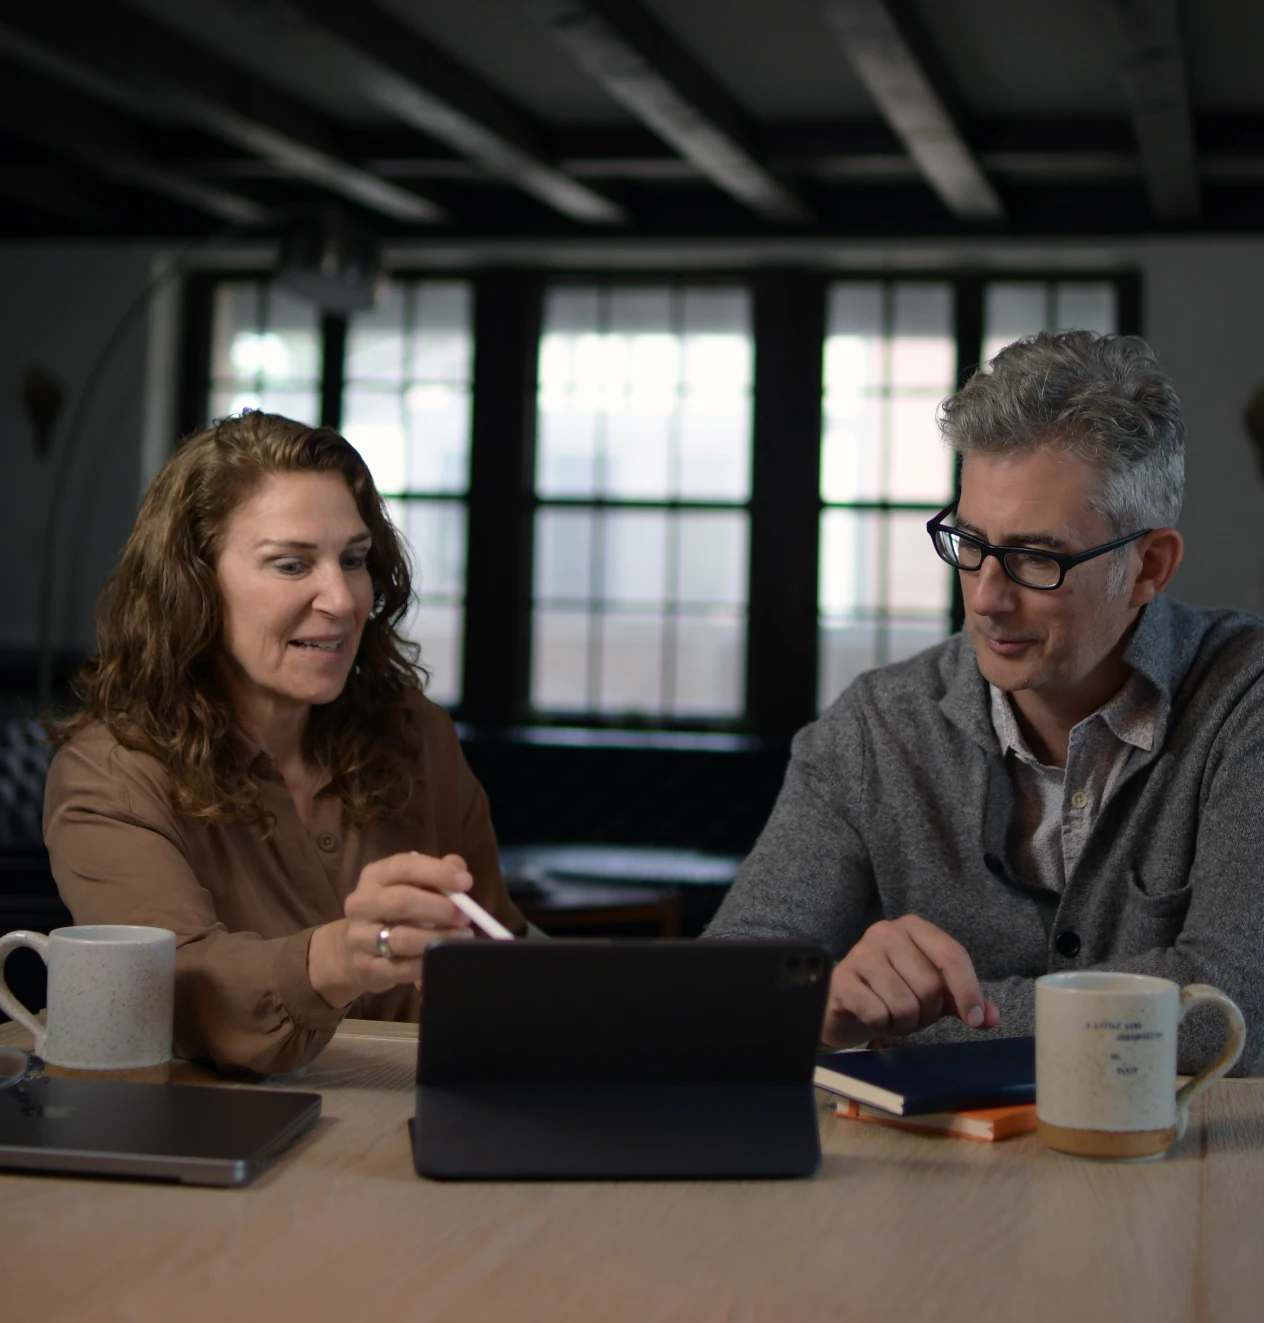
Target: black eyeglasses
[1042,570]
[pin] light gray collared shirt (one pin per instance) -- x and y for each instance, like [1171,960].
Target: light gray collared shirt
[1055,807]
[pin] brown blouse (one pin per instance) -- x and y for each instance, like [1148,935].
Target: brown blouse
[243,906]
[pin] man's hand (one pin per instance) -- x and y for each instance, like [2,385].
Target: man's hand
[903,974]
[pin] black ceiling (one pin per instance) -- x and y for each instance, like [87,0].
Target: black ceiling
[633,117]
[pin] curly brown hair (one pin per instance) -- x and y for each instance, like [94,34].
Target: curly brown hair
[152,681]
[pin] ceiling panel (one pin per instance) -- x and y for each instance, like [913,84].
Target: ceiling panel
[777,58]
[1029,58]
[1224,43]
[499,40]
[262,37]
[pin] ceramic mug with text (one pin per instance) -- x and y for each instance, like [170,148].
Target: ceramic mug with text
[111,999]
[1106,1061]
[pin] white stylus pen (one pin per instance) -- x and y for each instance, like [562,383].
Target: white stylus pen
[479,916]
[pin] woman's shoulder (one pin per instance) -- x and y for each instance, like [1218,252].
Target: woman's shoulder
[96,761]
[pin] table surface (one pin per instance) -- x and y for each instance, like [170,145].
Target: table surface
[896,1226]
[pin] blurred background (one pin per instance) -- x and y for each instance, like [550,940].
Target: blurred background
[639,311]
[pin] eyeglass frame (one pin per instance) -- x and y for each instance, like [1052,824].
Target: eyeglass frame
[1063,561]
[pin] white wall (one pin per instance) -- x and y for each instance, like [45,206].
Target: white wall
[60,305]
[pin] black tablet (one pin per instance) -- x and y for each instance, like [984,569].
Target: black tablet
[619,1059]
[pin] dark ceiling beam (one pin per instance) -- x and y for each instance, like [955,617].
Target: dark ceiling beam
[895,60]
[1152,70]
[71,126]
[176,79]
[641,66]
[404,74]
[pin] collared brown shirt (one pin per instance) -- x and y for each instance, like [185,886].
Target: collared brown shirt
[243,902]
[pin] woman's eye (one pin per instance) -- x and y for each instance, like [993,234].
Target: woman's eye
[289,567]
[357,562]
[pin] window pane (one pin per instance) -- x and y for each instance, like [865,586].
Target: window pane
[849,575]
[645,394]
[920,463]
[439,630]
[708,664]
[265,352]
[917,580]
[443,336]
[435,531]
[851,459]
[1011,309]
[372,420]
[634,557]
[296,324]
[1088,305]
[923,351]
[438,437]
[559,660]
[375,340]
[563,555]
[567,449]
[889,359]
[235,310]
[631,672]
[406,403]
[711,559]
[645,397]
[849,645]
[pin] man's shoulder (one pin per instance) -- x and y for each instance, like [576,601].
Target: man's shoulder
[894,710]
[1214,644]
[922,680]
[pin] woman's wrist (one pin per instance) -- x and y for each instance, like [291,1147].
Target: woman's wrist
[328,968]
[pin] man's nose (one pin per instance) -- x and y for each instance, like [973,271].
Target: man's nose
[989,590]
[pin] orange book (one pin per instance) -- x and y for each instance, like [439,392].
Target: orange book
[985,1123]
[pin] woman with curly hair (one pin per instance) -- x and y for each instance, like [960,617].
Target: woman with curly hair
[255,766]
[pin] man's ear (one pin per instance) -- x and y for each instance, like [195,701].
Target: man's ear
[1160,553]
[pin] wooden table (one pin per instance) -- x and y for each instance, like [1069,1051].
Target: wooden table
[896,1227]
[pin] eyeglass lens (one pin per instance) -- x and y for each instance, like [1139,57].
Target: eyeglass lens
[1028,567]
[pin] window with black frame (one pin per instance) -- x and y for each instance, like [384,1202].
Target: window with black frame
[642,486]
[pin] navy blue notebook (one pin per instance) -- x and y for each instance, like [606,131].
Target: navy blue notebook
[934,1077]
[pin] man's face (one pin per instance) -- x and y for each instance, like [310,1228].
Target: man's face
[1056,642]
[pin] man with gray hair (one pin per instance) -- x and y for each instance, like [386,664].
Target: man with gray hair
[1072,782]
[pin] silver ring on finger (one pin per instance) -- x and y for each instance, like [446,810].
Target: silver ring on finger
[384,943]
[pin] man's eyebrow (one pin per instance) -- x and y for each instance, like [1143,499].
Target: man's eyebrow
[1018,539]
[293,544]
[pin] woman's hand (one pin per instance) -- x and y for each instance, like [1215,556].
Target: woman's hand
[402,894]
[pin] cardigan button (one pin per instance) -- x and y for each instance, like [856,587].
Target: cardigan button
[327,842]
[1068,943]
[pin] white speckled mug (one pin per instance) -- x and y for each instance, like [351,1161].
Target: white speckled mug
[1106,1061]
[111,996]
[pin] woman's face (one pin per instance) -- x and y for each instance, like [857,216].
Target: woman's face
[296,591]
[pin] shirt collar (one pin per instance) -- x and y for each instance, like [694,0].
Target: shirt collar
[1132,716]
[1164,642]
[258,762]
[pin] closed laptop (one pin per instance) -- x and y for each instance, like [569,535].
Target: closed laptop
[169,1132]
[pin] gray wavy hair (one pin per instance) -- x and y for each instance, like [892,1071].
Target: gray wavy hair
[1100,398]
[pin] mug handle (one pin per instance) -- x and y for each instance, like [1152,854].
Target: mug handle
[9,1004]
[1202,994]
